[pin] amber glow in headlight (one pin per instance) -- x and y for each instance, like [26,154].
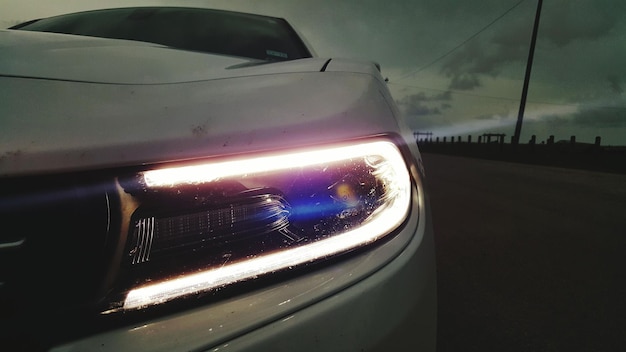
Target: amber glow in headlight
[201,227]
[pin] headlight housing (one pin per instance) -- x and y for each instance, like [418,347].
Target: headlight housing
[197,227]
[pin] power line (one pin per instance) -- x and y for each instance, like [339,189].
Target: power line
[462,43]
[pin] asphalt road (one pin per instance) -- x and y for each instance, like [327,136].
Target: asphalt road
[529,258]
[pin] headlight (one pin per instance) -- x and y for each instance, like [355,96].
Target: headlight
[202,226]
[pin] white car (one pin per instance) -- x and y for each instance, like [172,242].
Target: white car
[177,179]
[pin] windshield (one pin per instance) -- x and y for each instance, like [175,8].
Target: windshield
[211,31]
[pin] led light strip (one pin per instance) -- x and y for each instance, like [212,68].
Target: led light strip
[376,227]
[215,171]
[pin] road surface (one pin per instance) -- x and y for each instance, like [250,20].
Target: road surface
[529,258]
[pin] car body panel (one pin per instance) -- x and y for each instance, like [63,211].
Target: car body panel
[257,111]
[115,61]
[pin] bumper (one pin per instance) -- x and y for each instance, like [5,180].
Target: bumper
[392,310]
[382,299]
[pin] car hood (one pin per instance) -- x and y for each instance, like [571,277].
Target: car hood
[60,110]
[114,61]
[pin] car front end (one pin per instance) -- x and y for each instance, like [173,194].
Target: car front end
[163,199]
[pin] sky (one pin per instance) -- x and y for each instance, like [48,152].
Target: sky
[457,67]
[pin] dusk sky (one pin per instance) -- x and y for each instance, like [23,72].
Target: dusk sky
[456,67]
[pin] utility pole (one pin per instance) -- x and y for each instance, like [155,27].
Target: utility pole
[529,65]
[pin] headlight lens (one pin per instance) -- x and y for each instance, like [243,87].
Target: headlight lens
[202,226]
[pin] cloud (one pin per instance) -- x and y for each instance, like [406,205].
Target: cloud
[601,117]
[588,117]
[566,29]
[474,127]
[580,20]
[464,81]
[421,104]
[421,109]
[615,84]
[465,68]
[488,56]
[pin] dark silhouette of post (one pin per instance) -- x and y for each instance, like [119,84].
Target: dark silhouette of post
[529,65]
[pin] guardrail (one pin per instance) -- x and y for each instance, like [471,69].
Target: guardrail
[570,153]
